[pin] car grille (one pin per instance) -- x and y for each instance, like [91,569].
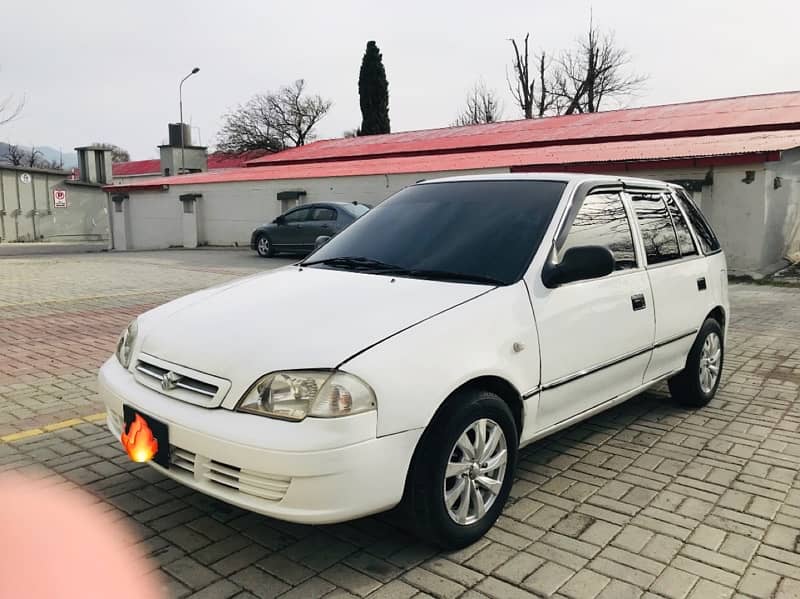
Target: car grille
[271,487]
[180,383]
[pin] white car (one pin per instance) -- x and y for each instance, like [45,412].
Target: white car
[409,358]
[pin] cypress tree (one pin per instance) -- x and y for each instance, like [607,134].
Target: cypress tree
[373,91]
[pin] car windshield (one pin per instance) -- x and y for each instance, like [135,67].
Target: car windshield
[474,231]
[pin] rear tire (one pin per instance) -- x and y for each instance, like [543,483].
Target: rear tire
[463,470]
[264,247]
[697,384]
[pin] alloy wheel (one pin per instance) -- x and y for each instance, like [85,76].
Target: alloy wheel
[710,359]
[475,471]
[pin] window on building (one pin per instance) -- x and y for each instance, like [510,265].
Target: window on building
[602,220]
[658,234]
[708,241]
[323,214]
[297,216]
[685,241]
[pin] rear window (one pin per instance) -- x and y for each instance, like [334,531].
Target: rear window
[705,235]
[480,228]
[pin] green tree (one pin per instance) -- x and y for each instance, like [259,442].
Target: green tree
[373,91]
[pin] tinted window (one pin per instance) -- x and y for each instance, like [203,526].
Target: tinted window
[323,214]
[602,220]
[708,241]
[658,234]
[297,216]
[685,241]
[479,228]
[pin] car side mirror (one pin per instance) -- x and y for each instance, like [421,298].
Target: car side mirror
[280,220]
[321,240]
[579,264]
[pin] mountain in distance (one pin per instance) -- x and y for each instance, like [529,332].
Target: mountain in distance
[52,155]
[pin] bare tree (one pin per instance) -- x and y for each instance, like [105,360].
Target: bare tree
[15,155]
[594,72]
[522,86]
[273,121]
[35,159]
[533,100]
[118,154]
[482,106]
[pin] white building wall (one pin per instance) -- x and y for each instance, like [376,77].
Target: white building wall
[783,208]
[227,213]
[155,220]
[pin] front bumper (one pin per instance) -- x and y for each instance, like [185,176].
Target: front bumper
[316,471]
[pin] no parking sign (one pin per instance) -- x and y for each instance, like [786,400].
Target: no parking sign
[60,198]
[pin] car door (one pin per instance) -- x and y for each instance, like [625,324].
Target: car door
[289,231]
[595,335]
[678,276]
[323,221]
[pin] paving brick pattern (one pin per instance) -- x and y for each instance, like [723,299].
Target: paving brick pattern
[647,500]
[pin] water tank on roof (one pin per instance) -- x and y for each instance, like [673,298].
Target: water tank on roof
[175,134]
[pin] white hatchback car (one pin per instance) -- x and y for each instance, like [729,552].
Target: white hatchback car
[409,358]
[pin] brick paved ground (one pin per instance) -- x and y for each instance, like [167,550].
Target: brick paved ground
[647,500]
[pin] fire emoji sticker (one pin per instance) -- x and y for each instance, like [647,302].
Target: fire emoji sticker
[139,441]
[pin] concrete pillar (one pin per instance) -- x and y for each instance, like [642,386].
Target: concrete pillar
[189,201]
[119,221]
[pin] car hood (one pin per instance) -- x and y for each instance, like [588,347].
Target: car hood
[291,318]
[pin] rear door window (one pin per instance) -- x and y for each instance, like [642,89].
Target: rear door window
[323,214]
[708,241]
[602,220]
[658,234]
[685,241]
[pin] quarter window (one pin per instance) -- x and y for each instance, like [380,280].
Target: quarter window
[658,234]
[602,220]
[685,241]
[708,241]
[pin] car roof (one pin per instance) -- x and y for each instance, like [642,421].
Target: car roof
[565,177]
[325,205]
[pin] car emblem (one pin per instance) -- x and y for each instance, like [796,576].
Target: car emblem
[170,380]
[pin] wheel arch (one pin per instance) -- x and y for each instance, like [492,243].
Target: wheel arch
[498,385]
[718,314]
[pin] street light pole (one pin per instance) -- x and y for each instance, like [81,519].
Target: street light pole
[180,104]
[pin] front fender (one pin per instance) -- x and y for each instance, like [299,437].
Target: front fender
[414,371]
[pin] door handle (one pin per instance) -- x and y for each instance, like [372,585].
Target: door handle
[701,284]
[638,302]
[324,226]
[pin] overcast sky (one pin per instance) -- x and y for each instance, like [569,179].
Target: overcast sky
[94,70]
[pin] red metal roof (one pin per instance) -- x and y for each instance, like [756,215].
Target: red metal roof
[135,168]
[779,111]
[217,160]
[755,147]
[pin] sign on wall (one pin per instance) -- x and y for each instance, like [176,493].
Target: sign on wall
[25,178]
[60,198]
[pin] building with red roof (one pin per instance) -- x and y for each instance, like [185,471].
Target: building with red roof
[740,157]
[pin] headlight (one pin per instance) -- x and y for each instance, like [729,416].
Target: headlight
[295,394]
[125,344]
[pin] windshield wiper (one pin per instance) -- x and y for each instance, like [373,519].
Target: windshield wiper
[360,262]
[443,275]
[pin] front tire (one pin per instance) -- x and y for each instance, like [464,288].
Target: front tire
[463,469]
[264,247]
[697,384]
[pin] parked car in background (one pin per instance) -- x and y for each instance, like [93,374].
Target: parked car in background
[412,356]
[297,229]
